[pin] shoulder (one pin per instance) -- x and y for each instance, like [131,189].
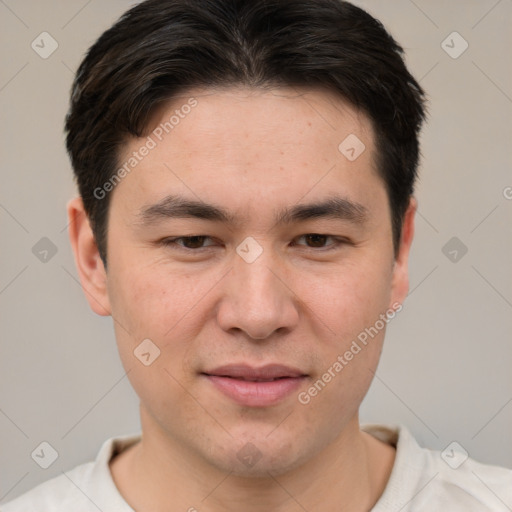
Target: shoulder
[86,488]
[57,494]
[458,482]
[423,480]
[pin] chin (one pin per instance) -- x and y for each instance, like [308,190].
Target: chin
[260,456]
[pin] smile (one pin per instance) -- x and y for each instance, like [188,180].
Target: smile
[255,387]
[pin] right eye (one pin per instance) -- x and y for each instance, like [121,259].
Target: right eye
[187,243]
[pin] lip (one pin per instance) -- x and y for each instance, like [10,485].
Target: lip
[256,387]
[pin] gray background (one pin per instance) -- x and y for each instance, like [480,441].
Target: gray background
[445,371]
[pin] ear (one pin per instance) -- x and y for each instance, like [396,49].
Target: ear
[87,258]
[400,280]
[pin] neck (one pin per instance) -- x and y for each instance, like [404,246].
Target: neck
[349,474]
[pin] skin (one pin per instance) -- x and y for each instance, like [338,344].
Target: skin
[251,152]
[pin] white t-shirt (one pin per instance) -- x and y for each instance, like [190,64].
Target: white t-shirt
[421,480]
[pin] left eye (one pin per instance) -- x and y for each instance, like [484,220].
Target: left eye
[318,241]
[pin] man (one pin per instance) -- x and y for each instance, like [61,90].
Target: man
[246,173]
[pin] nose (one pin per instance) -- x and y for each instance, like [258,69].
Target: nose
[257,299]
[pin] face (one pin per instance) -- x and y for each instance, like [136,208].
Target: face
[254,252]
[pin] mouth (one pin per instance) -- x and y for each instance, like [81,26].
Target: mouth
[255,387]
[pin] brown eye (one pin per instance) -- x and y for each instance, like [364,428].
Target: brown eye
[316,240]
[187,242]
[193,242]
[319,241]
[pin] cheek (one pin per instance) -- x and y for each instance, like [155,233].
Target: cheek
[148,304]
[154,301]
[170,308]
[347,306]
[349,300]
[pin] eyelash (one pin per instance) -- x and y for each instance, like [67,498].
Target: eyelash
[172,242]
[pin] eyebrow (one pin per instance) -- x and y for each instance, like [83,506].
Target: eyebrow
[172,206]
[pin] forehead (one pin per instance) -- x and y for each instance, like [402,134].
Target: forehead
[290,115]
[251,144]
